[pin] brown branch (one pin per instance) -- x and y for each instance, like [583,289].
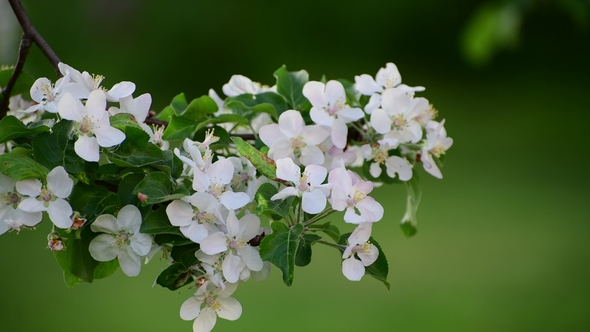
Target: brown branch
[30,34]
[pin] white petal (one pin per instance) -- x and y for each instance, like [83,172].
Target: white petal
[429,165]
[121,90]
[59,183]
[287,170]
[205,321]
[129,218]
[311,154]
[31,204]
[339,133]
[335,92]
[96,103]
[315,135]
[71,108]
[251,258]
[180,213]
[289,191]
[141,243]
[314,201]
[214,243]
[232,200]
[231,267]
[87,148]
[190,309]
[353,269]
[106,223]
[270,133]
[222,171]
[381,121]
[370,209]
[314,92]
[103,248]
[108,136]
[350,114]
[315,174]
[230,309]
[371,257]
[195,232]
[291,123]
[129,261]
[30,187]
[59,212]
[320,116]
[366,85]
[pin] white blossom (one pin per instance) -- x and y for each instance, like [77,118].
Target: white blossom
[359,253]
[94,125]
[209,302]
[10,216]
[436,144]
[50,198]
[350,192]
[308,185]
[122,240]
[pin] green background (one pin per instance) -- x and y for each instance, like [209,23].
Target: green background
[503,241]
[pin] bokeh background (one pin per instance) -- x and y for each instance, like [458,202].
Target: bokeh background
[503,241]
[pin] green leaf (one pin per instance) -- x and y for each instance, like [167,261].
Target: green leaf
[409,221]
[123,120]
[12,128]
[290,86]
[223,118]
[264,204]
[170,164]
[76,258]
[179,104]
[135,151]
[379,269]
[57,149]
[303,255]
[157,222]
[20,167]
[184,124]
[174,277]
[180,128]
[156,186]
[280,247]
[185,254]
[171,239]
[331,230]
[22,85]
[126,186]
[248,105]
[106,269]
[265,165]
[200,107]
[91,201]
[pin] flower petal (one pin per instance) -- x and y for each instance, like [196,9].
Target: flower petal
[59,212]
[129,218]
[190,309]
[59,183]
[103,248]
[353,269]
[129,261]
[206,320]
[230,308]
[87,148]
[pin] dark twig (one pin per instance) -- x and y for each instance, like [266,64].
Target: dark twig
[30,31]
[23,51]
[30,35]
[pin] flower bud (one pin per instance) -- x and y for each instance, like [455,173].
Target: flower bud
[142,197]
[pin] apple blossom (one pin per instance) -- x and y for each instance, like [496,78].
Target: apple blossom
[121,240]
[308,185]
[215,181]
[84,83]
[291,138]
[50,198]
[350,192]
[436,143]
[358,245]
[196,215]
[209,302]
[330,109]
[94,125]
[10,216]
[396,117]
[240,255]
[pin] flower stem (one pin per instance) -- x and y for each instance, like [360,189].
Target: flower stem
[319,216]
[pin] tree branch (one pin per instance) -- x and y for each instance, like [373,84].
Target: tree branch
[30,34]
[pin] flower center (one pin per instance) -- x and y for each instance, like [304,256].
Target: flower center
[96,80]
[380,156]
[337,106]
[213,303]
[216,189]
[437,151]
[46,89]
[399,121]
[297,143]
[303,185]
[8,199]
[87,125]
[205,218]
[121,240]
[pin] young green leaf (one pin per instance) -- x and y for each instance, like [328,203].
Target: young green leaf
[12,128]
[21,167]
[290,86]
[263,164]
[280,248]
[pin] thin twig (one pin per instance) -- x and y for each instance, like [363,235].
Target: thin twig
[30,34]
[30,31]
[23,51]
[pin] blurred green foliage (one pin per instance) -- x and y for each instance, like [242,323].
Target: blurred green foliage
[503,242]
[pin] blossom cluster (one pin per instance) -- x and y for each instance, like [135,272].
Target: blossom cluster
[127,191]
